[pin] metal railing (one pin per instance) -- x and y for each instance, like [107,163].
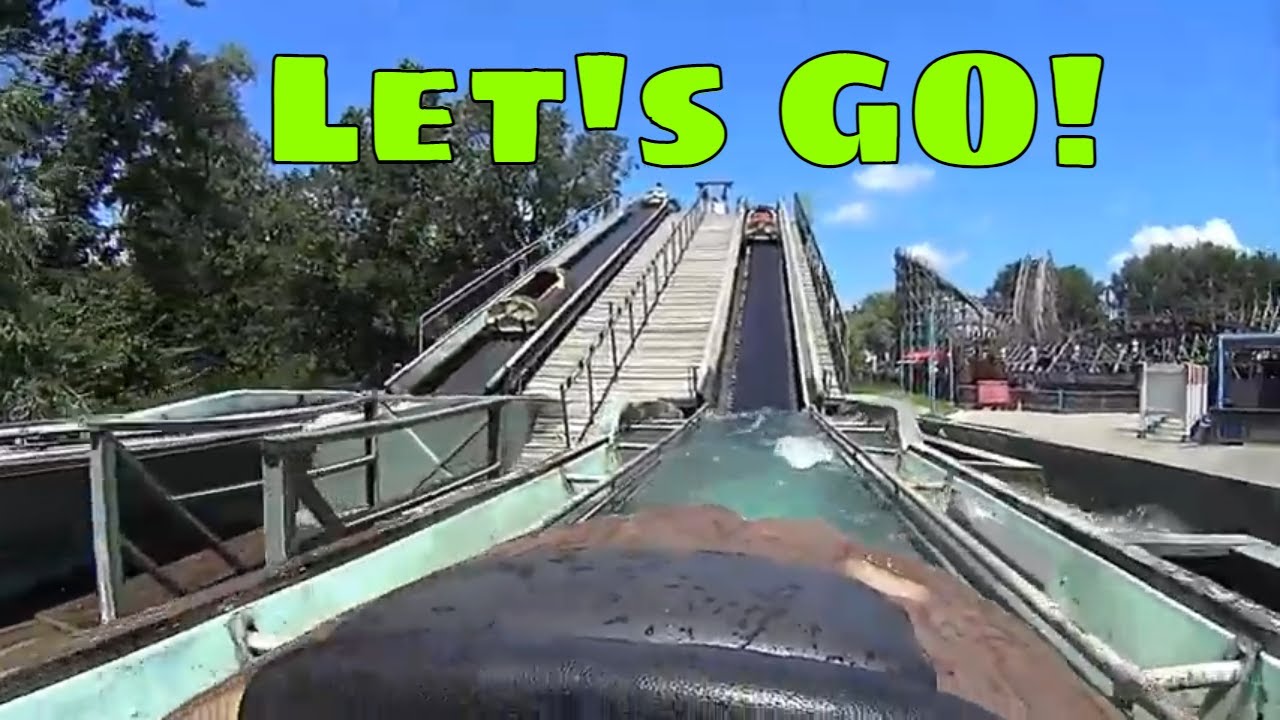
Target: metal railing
[515,374]
[435,321]
[632,314]
[1058,400]
[52,436]
[833,321]
[108,456]
[290,472]
[973,559]
[287,481]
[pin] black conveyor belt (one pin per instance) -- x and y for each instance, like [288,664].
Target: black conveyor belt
[762,370]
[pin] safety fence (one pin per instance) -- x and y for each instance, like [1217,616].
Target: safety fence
[1056,400]
[984,530]
[624,323]
[376,456]
[1172,395]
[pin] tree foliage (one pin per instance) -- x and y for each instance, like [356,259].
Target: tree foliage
[1204,282]
[872,330]
[148,248]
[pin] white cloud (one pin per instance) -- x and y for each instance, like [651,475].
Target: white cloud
[893,178]
[936,258]
[850,213]
[879,178]
[1215,232]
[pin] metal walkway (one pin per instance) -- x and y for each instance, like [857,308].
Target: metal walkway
[648,336]
[672,355]
[817,305]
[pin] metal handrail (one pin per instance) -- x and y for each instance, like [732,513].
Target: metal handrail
[188,434]
[288,478]
[1132,684]
[574,226]
[624,480]
[832,315]
[140,427]
[288,471]
[519,369]
[661,267]
[286,442]
[118,424]
[106,450]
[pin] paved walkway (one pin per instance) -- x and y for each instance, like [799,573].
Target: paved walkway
[1116,433]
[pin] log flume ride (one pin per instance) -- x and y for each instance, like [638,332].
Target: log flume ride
[672,612]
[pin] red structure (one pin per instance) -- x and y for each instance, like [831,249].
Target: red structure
[994,394]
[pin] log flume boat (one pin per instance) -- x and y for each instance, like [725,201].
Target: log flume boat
[673,612]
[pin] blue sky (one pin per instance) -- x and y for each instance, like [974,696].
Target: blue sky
[1188,122]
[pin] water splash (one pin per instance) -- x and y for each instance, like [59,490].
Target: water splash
[754,426]
[803,453]
[1141,518]
[771,465]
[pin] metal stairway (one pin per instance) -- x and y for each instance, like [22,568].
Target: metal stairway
[647,334]
[576,353]
[823,362]
[667,361]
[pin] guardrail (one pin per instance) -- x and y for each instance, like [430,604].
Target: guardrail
[1058,400]
[966,554]
[441,316]
[833,322]
[634,311]
[519,369]
[108,456]
[289,470]
[49,435]
[289,475]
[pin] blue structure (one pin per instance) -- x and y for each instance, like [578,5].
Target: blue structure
[1245,409]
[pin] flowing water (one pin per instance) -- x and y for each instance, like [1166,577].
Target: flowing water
[772,465]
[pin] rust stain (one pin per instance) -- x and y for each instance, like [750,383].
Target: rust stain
[222,702]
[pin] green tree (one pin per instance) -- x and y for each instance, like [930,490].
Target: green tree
[1000,293]
[872,328]
[148,250]
[1203,281]
[1080,302]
